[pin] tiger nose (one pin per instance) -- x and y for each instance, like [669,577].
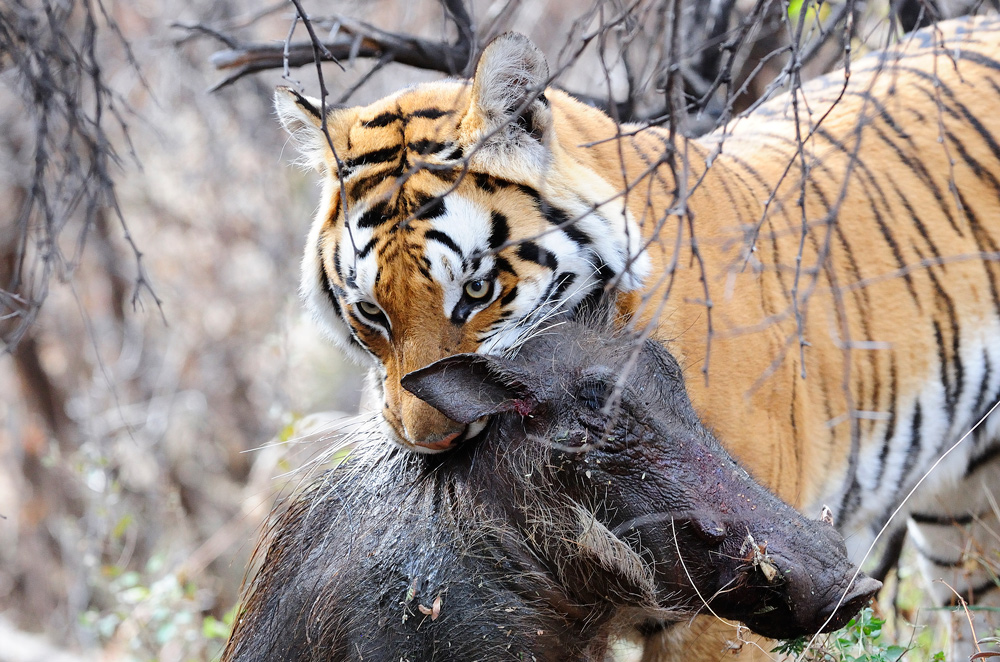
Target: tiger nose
[426,427]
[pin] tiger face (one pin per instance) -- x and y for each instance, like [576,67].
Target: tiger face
[453,218]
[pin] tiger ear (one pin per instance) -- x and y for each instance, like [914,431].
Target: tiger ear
[508,97]
[302,119]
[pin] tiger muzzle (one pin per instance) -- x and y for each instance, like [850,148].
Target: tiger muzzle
[426,429]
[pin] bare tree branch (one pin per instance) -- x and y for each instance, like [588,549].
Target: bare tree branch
[353,39]
[51,47]
[466,31]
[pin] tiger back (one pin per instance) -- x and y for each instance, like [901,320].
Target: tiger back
[825,268]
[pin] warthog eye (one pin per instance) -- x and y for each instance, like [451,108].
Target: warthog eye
[593,393]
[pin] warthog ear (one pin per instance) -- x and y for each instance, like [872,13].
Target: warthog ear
[466,387]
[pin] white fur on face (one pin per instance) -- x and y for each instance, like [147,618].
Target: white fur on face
[353,239]
[468,226]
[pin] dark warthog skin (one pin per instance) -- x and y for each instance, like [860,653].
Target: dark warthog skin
[592,502]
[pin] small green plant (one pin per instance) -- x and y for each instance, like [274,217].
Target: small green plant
[153,614]
[859,641]
[214,629]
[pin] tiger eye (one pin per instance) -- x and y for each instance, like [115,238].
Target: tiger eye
[369,308]
[477,289]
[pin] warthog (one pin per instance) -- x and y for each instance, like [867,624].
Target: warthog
[594,500]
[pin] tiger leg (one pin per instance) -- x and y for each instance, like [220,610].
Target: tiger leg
[706,638]
[957,538]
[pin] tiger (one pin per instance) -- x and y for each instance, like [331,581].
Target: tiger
[824,267]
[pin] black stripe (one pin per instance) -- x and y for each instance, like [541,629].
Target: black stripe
[305,104]
[565,280]
[949,403]
[576,235]
[937,560]
[503,264]
[442,238]
[914,450]
[939,84]
[510,296]
[336,261]
[915,217]
[891,428]
[848,251]
[359,188]
[425,147]
[956,346]
[367,248]
[942,520]
[373,217]
[890,554]
[983,240]
[429,207]
[375,156]
[560,218]
[384,119]
[499,230]
[331,296]
[431,113]
[605,273]
[528,191]
[324,283]
[485,182]
[390,251]
[977,462]
[863,302]
[982,173]
[532,252]
[972,56]
[471,265]
[425,267]
[985,587]
[984,385]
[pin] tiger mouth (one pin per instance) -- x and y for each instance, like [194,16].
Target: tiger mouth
[468,433]
[475,428]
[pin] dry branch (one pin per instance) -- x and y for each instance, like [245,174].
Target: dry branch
[351,40]
[74,117]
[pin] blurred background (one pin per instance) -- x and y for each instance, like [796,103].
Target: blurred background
[160,386]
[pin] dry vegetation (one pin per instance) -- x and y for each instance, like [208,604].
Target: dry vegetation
[149,249]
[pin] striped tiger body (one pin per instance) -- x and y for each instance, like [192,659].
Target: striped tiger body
[824,268]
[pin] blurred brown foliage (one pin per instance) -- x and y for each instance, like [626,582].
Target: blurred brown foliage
[127,431]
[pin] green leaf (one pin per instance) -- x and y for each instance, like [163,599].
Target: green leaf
[213,628]
[122,526]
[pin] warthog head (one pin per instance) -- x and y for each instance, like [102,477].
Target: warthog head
[593,500]
[624,446]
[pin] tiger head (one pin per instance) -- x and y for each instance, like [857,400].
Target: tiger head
[454,216]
